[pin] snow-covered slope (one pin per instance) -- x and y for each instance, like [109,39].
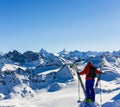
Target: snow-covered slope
[45,80]
[63,95]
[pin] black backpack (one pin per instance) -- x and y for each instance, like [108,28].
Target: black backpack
[92,72]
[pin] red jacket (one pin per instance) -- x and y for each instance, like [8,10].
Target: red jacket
[86,71]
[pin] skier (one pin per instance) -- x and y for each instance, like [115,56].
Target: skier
[90,78]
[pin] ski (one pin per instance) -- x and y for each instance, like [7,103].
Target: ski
[74,66]
[99,76]
[80,80]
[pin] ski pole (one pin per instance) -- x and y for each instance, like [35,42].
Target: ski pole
[100,82]
[78,91]
[100,92]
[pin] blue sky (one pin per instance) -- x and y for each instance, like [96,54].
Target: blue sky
[57,24]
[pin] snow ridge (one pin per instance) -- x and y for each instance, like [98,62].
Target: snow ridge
[31,73]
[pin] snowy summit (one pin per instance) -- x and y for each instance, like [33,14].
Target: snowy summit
[42,79]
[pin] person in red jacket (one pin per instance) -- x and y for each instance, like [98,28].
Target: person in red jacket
[89,84]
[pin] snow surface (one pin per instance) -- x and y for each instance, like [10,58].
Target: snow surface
[60,89]
[65,95]
[11,67]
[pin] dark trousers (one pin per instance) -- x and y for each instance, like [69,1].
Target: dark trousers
[90,92]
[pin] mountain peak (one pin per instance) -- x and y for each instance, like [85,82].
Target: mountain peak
[43,51]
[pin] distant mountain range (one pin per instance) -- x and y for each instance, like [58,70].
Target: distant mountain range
[38,70]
